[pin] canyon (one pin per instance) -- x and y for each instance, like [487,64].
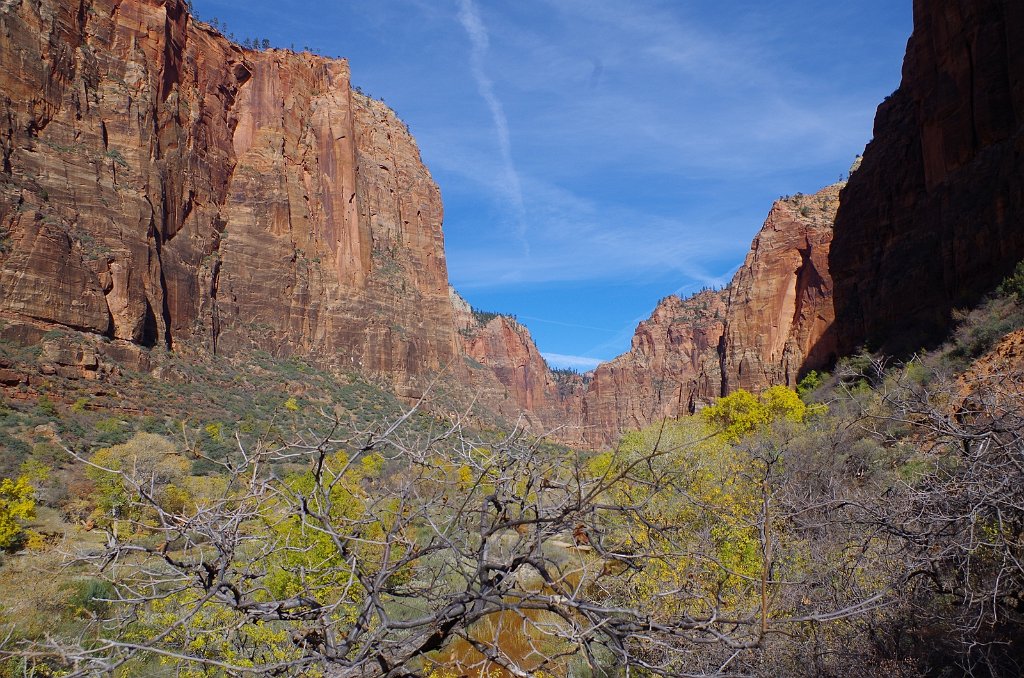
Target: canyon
[164,189]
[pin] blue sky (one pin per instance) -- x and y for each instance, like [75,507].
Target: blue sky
[595,156]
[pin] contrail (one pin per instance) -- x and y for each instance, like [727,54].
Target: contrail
[469,17]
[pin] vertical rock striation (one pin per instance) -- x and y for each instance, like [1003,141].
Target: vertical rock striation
[671,369]
[779,317]
[771,322]
[163,186]
[507,374]
[933,219]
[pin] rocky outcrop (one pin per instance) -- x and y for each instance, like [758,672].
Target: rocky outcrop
[671,369]
[779,317]
[770,323]
[933,219]
[508,375]
[163,186]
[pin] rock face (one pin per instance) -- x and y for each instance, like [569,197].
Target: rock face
[933,219]
[163,186]
[772,322]
[779,317]
[508,374]
[672,369]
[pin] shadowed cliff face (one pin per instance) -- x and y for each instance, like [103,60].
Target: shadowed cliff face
[161,185]
[933,219]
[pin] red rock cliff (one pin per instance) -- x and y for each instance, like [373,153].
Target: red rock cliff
[508,375]
[779,308]
[933,219]
[672,369]
[161,185]
[772,321]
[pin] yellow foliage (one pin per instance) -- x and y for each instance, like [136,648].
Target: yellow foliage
[215,430]
[35,471]
[216,632]
[373,464]
[35,541]
[145,458]
[17,503]
[741,413]
[683,475]
[309,561]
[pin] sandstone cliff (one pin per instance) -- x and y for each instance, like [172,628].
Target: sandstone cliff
[779,317]
[770,323]
[933,219]
[671,369]
[508,375]
[163,186]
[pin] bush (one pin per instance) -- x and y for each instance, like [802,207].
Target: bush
[13,451]
[47,407]
[1013,285]
[17,503]
[92,595]
[811,381]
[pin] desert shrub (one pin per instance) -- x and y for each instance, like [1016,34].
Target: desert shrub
[112,431]
[13,451]
[47,407]
[92,595]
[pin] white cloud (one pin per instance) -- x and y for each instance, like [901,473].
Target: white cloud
[576,362]
[706,110]
[580,239]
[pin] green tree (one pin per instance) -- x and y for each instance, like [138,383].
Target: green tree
[146,460]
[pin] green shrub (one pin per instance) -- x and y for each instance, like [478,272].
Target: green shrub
[47,407]
[13,451]
[1013,285]
[92,595]
[811,381]
[112,431]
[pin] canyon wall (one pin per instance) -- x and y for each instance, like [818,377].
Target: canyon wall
[779,318]
[773,321]
[508,376]
[933,219]
[163,186]
[671,369]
